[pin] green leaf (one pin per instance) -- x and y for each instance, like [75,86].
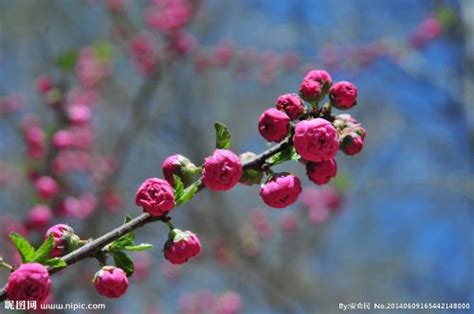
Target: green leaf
[288,153]
[123,261]
[125,240]
[24,247]
[223,137]
[67,60]
[42,253]
[103,50]
[341,182]
[55,263]
[178,187]
[188,193]
[127,219]
[138,247]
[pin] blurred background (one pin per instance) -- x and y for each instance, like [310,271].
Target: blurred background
[128,83]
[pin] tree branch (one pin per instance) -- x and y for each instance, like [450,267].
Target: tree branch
[92,248]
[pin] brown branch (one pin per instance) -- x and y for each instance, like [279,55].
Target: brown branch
[94,247]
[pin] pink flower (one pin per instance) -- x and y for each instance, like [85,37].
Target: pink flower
[63,236]
[273,125]
[224,53]
[182,43]
[343,95]
[326,197]
[168,16]
[320,76]
[46,187]
[310,90]
[281,191]
[79,114]
[291,104]
[222,170]
[30,282]
[144,53]
[351,143]
[90,69]
[35,141]
[321,172]
[111,282]
[43,84]
[113,201]
[260,222]
[180,166]
[155,196]
[289,223]
[142,263]
[228,302]
[316,139]
[181,246]
[63,139]
[38,218]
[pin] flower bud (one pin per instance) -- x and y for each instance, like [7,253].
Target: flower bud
[38,218]
[64,239]
[30,282]
[291,104]
[180,166]
[222,170]
[111,282]
[273,125]
[310,90]
[181,246]
[343,95]
[156,196]
[316,139]
[46,187]
[321,172]
[281,190]
[351,143]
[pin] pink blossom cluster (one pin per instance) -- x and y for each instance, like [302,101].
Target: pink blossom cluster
[317,135]
[206,301]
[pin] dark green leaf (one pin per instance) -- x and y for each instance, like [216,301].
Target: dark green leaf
[42,253]
[188,193]
[124,261]
[24,247]
[223,137]
[138,247]
[67,60]
[55,263]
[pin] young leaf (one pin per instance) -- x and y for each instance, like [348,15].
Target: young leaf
[178,187]
[138,247]
[123,261]
[67,60]
[288,153]
[188,193]
[24,247]
[223,137]
[55,263]
[42,253]
[123,241]
[127,218]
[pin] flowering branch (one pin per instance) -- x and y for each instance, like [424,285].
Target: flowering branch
[95,247]
[301,132]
